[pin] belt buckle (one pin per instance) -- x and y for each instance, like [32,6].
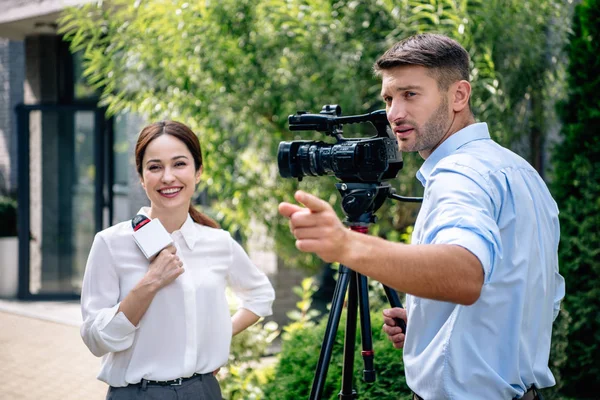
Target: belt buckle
[177,382]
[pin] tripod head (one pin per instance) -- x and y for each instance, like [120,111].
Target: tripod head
[361,200]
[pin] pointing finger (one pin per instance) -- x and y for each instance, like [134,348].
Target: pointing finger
[287,209]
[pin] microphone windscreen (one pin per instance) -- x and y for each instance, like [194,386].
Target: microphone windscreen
[151,236]
[138,221]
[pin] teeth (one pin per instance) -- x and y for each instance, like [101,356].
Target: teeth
[170,191]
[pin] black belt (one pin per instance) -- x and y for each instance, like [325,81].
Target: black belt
[173,382]
[531,394]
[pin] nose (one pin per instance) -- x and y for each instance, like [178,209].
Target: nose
[168,176]
[396,112]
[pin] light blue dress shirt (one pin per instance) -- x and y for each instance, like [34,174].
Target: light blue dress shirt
[483,197]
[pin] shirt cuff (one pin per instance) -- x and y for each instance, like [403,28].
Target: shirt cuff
[115,324]
[262,309]
[472,242]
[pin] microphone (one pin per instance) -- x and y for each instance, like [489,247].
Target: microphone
[150,235]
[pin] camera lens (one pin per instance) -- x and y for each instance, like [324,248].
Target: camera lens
[283,160]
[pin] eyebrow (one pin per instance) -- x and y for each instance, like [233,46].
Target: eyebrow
[157,160]
[404,88]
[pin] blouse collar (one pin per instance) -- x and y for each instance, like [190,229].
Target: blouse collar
[188,229]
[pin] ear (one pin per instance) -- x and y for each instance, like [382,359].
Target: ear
[462,94]
[142,182]
[198,174]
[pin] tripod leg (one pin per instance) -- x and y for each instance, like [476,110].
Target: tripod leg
[395,302]
[337,304]
[350,340]
[365,328]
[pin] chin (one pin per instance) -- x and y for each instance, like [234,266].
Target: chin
[170,204]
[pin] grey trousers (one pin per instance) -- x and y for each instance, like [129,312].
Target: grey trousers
[204,387]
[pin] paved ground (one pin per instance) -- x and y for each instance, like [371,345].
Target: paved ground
[42,356]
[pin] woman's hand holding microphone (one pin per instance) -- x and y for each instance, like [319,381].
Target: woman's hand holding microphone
[165,267]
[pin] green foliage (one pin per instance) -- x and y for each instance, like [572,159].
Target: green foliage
[8,217]
[303,314]
[299,355]
[525,75]
[235,69]
[576,189]
[242,378]
[558,355]
[294,371]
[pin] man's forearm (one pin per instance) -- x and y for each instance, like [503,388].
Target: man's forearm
[436,271]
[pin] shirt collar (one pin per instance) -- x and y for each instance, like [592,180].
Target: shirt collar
[468,134]
[188,229]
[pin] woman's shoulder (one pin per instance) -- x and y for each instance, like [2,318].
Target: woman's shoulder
[214,236]
[116,231]
[210,231]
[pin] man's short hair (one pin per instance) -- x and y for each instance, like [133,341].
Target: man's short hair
[445,57]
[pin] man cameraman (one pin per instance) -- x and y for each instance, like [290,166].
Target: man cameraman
[481,275]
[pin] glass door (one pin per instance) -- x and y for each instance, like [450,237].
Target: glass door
[64,195]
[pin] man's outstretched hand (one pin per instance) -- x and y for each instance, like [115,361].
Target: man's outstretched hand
[316,227]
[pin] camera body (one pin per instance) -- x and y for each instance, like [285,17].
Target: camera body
[353,160]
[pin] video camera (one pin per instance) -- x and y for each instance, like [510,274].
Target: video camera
[361,165]
[354,160]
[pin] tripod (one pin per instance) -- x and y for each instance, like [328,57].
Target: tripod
[359,202]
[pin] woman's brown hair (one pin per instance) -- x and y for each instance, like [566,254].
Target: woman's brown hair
[185,134]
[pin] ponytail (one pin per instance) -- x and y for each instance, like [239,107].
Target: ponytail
[202,219]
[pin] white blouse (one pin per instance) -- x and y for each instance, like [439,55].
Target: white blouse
[187,327]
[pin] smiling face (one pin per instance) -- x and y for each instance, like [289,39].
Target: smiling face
[419,113]
[168,175]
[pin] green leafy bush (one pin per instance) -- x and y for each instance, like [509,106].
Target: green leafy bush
[294,372]
[243,377]
[576,188]
[8,217]
[558,355]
